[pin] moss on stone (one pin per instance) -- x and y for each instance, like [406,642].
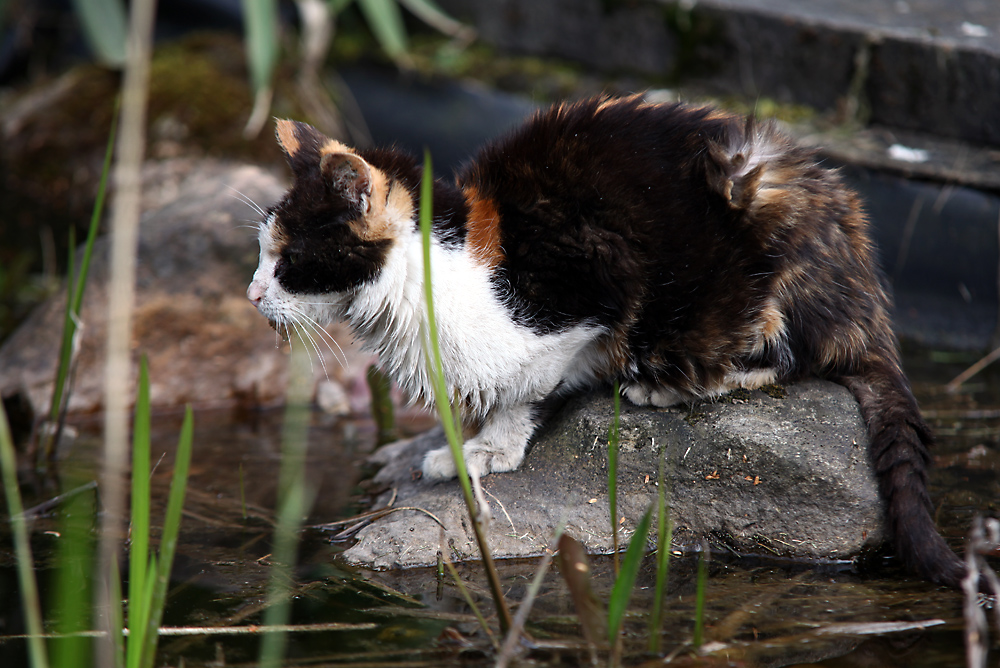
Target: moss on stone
[774,391]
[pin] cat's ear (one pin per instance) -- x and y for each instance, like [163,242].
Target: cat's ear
[349,176]
[300,143]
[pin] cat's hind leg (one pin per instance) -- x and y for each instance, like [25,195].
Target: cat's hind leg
[499,446]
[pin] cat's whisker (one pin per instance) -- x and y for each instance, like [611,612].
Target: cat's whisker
[325,336]
[251,223]
[300,328]
[298,332]
[246,200]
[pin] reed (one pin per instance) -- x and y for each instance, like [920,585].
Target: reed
[621,592]
[450,419]
[22,547]
[149,572]
[699,600]
[664,532]
[295,497]
[76,283]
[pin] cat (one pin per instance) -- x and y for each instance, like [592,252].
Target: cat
[682,250]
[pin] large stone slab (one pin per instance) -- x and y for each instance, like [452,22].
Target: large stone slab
[205,342]
[783,474]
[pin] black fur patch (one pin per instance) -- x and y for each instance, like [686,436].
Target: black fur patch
[321,252]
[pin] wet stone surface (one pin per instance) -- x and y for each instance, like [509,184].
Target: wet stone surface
[761,472]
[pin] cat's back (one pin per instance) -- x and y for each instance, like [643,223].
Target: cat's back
[602,149]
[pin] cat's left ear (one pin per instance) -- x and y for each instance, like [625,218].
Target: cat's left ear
[349,176]
[300,143]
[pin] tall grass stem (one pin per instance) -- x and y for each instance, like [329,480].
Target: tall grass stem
[450,420]
[621,592]
[159,568]
[139,547]
[121,295]
[664,532]
[76,283]
[295,497]
[22,546]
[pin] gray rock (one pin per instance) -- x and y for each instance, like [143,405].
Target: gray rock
[205,342]
[767,475]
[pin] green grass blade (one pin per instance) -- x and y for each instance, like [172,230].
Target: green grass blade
[386,23]
[139,548]
[613,474]
[622,590]
[260,23]
[441,396]
[72,592]
[382,409]
[450,420]
[160,568]
[699,600]
[261,26]
[76,283]
[431,14]
[664,531]
[294,499]
[65,349]
[337,6]
[22,547]
[103,23]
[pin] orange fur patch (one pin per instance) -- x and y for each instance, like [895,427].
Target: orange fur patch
[772,321]
[334,146]
[284,130]
[388,202]
[483,229]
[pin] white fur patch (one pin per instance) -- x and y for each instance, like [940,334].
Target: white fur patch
[497,367]
[487,358]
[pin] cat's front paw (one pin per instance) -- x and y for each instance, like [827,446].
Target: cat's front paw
[480,459]
[439,464]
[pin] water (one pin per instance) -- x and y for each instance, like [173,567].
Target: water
[760,612]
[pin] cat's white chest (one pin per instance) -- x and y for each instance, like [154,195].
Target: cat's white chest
[487,357]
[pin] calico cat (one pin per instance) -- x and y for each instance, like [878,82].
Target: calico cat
[681,250]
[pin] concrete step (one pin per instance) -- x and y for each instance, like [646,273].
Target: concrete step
[924,66]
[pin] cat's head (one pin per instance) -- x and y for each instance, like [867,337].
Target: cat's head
[330,234]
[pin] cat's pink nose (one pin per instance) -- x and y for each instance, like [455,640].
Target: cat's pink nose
[255,293]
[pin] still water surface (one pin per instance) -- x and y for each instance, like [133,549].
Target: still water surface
[761,612]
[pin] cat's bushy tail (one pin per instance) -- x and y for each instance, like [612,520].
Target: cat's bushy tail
[899,453]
